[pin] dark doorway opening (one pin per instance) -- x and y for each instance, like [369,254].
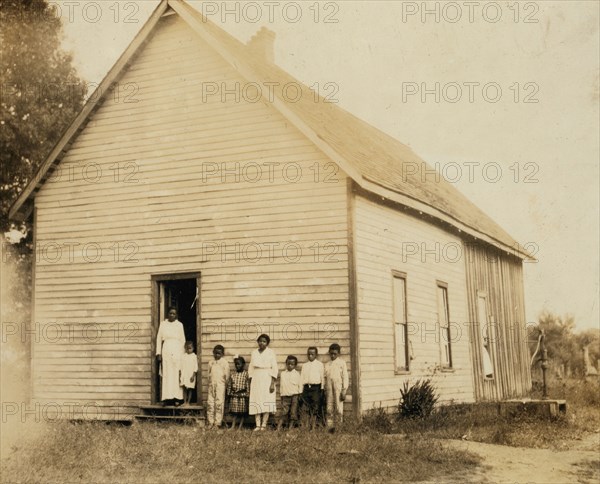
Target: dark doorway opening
[181,291]
[181,294]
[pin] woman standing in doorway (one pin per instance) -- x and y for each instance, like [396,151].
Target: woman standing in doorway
[262,372]
[170,343]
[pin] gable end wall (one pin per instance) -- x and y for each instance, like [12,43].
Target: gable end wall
[163,181]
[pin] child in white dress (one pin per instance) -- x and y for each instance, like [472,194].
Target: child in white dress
[189,370]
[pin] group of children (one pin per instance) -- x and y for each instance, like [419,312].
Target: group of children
[300,392]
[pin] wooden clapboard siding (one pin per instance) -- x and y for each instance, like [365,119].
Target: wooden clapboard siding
[380,232]
[168,216]
[500,277]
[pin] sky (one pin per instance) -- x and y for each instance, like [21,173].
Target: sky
[501,97]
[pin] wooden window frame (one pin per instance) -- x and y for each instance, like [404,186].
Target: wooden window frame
[490,327]
[445,304]
[397,369]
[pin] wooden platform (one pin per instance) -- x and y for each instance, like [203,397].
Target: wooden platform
[182,414]
[158,407]
[542,408]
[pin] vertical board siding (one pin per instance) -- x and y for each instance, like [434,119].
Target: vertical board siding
[382,240]
[500,277]
[137,195]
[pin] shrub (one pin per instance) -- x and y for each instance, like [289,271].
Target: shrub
[418,400]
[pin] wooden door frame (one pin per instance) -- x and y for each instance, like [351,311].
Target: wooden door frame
[156,280]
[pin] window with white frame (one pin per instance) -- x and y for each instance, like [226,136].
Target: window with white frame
[401,343]
[444,324]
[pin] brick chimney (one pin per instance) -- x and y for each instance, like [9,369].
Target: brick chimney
[262,43]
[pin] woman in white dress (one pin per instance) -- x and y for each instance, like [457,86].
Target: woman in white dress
[262,372]
[170,343]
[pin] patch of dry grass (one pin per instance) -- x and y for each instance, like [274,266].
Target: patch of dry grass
[151,452]
[155,452]
[481,422]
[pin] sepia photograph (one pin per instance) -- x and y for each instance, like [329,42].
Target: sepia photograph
[300,241]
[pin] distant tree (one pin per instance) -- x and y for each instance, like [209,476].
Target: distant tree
[565,347]
[40,92]
[591,339]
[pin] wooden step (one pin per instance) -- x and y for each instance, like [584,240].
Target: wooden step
[171,407]
[159,410]
[195,419]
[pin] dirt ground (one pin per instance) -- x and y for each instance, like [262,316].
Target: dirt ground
[503,464]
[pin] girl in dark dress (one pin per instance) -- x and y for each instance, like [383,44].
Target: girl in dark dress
[238,392]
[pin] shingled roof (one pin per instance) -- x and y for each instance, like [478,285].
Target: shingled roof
[377,162]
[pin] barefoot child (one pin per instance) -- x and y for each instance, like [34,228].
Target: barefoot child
[312,378]
[189,370]
[218,374]
[290,390]
[336,385]
[238,392]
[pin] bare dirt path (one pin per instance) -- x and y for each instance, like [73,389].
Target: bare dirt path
[503,464]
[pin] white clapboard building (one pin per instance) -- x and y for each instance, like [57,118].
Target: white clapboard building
[203,176]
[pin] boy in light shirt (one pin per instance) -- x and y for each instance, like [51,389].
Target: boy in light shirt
[218,374]
[336,386]
[289,390]
[313,379]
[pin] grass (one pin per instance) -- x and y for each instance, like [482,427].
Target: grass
[155,452]
[481,423]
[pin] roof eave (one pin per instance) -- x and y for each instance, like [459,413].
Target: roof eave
[397,197]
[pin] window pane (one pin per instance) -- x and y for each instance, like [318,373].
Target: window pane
[444,322]
[399,301]
[443,306]
[400,336]
[401,342]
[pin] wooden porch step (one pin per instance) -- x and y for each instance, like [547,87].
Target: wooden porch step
[172,407]
[173,411]
[196,419]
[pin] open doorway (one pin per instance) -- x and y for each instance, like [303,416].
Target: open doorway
[181,291]
[181,294]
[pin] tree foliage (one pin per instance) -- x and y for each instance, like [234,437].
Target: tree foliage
[41,92]
[591,339]
[564,346]
[40,95]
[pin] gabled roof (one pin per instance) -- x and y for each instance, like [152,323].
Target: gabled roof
[377,162]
